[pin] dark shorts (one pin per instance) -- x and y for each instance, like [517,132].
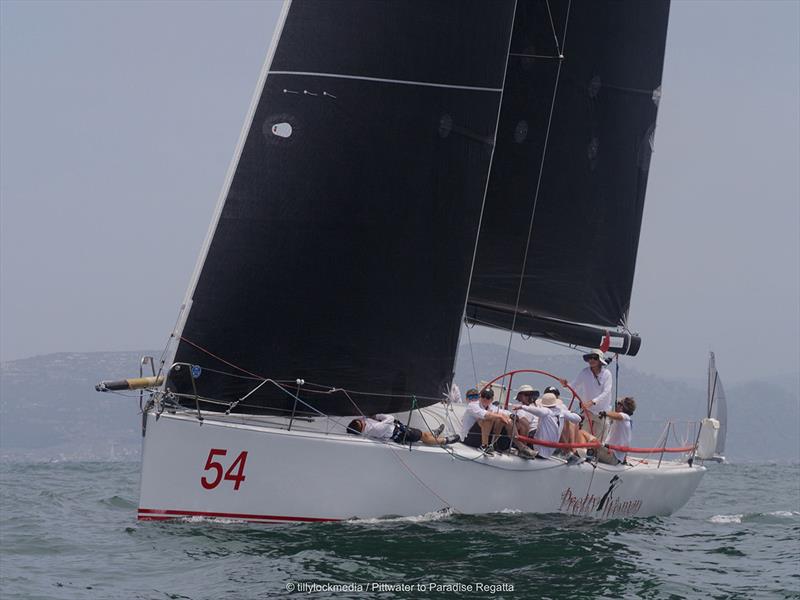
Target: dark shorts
[502,442]
[473,439]
[406,435]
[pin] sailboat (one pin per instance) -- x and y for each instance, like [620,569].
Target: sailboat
[714,428]
[406,168]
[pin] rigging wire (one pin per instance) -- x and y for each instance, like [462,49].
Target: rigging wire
[230,364]
[491,160]
[170,338]
[474,369]
[326,389]
[553,29]
[536,193]
[422,483]
[566,345]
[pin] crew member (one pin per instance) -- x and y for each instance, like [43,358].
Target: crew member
[386,427]
[483,419]
[552,416]
[619,434]
[594,386]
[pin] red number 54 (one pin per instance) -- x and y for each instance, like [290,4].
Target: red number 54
[238,466]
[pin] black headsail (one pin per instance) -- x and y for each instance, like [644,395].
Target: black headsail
[343,248]
[572,158]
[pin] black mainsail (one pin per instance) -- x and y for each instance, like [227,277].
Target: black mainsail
[345,246]
[563,211]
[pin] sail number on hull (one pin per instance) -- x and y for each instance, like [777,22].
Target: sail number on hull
[234,473]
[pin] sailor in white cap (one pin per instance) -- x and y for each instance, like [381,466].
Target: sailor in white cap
[594,385]
[552,416]
[526,422]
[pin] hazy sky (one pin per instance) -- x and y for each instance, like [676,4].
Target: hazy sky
[118,121]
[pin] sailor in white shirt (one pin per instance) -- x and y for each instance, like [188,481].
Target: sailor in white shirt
[526,422]
[552,416]
[379,427]
[483,419]
[594,386]
[386,427]
[619,433]
[571,433]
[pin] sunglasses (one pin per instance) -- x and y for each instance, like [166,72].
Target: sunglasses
[588,358]
[472,395]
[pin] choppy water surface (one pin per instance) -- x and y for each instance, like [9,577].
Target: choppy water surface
[69,530]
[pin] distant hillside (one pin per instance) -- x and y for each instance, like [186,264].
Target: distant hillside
[49,409]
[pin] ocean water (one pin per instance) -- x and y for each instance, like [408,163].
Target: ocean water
[69,530]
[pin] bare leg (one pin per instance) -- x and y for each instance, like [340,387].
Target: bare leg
[497,429]
[570,434]
[430,439]
[598,425]
[486,429]
[523,426]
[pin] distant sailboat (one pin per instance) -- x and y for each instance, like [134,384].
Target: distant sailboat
[715,426]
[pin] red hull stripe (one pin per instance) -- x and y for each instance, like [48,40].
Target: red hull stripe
[152,514]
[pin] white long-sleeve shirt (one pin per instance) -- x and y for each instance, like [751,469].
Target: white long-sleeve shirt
[620,435]
[594,390]
[551,424]
[379,428]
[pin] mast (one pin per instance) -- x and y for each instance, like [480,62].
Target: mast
[716,405]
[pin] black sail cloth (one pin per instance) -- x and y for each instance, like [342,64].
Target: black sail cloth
[573,150]
[343,250]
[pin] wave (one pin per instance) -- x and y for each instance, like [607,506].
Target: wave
[726,518]
[784,513]
[213,520]
[773,516]
[118,502]
[430,517]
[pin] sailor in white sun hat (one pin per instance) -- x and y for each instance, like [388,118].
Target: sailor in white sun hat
[594,385]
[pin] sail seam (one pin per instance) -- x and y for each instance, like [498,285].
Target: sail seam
[523,55]
[387,80]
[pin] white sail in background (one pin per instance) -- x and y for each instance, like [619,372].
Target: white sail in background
[717,407]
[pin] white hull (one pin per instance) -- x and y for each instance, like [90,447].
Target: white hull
[311,476]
